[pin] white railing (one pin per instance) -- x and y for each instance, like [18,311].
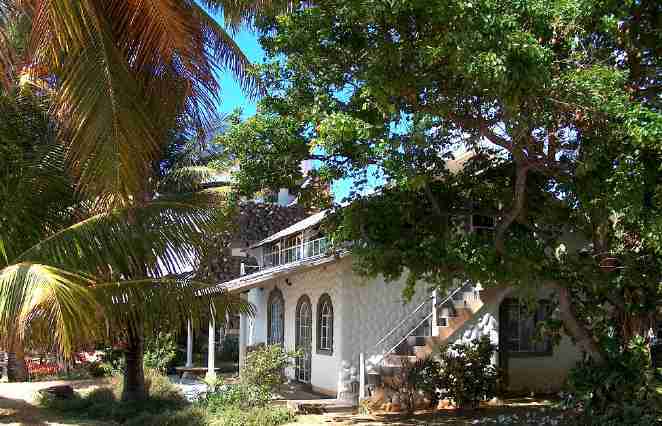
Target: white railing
[306,250]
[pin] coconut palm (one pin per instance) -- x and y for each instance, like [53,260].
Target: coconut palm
[121,72]
[73,269]
[121,77]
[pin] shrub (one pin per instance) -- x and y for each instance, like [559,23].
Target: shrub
[112,362]
[160,352]
[265,366]
[96,369]
[257,416]
[621,391]
[467,375]
[160,387]
[240,395]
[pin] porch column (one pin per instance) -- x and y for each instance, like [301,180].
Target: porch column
[435,330]
[211,371]
[189,344]
[243,335]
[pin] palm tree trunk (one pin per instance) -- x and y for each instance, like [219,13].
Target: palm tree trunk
[134,375]
[16,369]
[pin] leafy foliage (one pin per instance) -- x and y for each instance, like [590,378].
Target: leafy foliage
[541,116]
[467,375]
[623,390]
[265,367]
[160,351]
[121,75]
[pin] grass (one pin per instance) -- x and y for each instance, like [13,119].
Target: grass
[165,406]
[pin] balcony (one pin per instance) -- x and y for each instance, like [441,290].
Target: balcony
[307,250]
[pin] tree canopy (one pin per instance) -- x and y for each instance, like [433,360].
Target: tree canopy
[557,104]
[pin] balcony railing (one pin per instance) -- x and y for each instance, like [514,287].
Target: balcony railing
[306,250]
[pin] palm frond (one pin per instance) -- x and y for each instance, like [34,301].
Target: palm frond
[122,66]
[187,179]
[172,301]
[32,292]
[157,239]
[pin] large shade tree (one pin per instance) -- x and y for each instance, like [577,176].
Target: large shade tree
[559,102]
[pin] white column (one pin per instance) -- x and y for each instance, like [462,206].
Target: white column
[211,371]
[243,334]
[435,330]
[189,344]
[361,377]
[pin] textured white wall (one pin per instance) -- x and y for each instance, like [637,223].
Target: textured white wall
[371,308]
[365,310]
[313,283]
[545,374]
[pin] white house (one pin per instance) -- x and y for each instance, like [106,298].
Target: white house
[308,298]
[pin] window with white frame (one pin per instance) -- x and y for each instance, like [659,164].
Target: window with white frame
[275,317]
[325,325]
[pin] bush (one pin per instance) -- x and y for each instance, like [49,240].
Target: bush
[239,395]
[257,416]
[265,366]
[160,352]
[467,375]
[96,369]
[112,362]
[621,391]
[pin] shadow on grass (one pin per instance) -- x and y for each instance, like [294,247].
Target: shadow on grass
[17,411]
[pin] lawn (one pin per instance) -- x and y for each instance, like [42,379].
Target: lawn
[17,406]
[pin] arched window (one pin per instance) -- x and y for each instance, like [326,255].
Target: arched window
[275,317]
[325,325]
[304,338]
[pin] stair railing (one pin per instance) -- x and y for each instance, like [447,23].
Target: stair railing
[408,317]
[410,332]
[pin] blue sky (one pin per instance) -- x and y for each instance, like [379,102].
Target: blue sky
[232,97]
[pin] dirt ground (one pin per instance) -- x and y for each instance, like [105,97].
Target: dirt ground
[17,403]
[18,407]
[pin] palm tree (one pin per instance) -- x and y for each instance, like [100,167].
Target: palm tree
[121,73]
[120,76]
[72,269]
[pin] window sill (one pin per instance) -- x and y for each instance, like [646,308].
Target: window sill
[325,352]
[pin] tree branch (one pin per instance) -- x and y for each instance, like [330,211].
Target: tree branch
[519,198]
[574,327]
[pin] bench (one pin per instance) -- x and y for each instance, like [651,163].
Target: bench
[194,371]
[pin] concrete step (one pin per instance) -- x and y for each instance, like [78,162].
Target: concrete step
[396,361]
[320,406]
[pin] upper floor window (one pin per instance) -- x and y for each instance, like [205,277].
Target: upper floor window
[520,323]
[275,318]
[325,325]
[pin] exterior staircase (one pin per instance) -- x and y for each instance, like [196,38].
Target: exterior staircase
[445,318]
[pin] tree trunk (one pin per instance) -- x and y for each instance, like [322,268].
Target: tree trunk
[134,375]
[16,369]
[574,327]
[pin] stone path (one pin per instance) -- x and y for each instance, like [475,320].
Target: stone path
[191,388]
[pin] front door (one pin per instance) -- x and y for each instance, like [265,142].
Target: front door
[304,338]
